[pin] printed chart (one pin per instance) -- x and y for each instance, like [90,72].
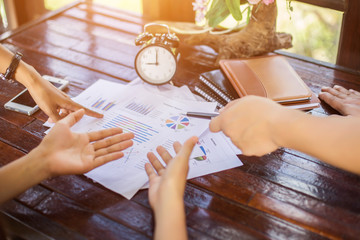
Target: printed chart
[103,104]
[203,157]
[177,122]
[143,109]
[143,132]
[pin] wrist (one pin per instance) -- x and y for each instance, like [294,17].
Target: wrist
[169,200]
[170,220]
[40,163]
[286,125]
[27,75]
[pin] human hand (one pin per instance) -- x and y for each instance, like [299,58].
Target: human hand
[55,103]
[168,184]
[345,101]
[250,123]
[66,152]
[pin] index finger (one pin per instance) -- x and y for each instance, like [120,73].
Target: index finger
[92,113]
[88,112]
[73,118]
[215,124]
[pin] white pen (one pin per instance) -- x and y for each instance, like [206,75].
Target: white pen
[202,114]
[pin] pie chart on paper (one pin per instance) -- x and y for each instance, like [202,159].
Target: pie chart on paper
[177,122]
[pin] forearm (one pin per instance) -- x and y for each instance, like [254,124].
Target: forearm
[334,139]
[170,222]
[24,73]
[21,174]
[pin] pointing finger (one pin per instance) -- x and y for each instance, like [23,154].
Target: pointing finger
[73,106]
[73,118]
[215,124]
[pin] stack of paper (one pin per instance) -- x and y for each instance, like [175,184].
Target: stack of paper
[155,114]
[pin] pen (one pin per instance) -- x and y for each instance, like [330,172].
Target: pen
[202,114]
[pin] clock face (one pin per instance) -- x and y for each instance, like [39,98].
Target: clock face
[155,64]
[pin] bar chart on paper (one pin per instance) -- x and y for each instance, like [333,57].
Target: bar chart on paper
[141,108]
[143,132]
[103,104]
[202,157]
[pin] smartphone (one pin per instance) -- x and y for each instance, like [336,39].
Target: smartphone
[24,103]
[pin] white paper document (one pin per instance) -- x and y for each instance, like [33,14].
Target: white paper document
[156,117]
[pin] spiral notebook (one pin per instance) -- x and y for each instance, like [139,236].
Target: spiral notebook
[213,86]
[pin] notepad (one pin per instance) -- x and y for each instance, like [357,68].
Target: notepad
[211,87]
[218,88]
[268,76]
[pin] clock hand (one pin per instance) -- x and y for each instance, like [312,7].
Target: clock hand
[156,50]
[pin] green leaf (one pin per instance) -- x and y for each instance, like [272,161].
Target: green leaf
[217,13]
[234,8]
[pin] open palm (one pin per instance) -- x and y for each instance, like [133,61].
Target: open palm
[75,153]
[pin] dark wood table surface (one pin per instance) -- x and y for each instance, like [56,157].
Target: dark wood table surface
[282,195]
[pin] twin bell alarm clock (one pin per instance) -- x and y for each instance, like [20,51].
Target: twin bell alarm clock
[156,62]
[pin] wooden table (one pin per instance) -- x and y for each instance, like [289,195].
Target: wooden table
[283,195]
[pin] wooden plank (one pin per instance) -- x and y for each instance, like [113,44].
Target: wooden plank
[324,76]
[104,21]
[37,127]
[16,137]
[238,214]
[12,228]
[320,168]
[290,213]
[99,199]
[48,64]
[39,222]
[216,185]
[80,30]
[132,215]
[193,234]
[33,196]
[84,191]
[8,153]
[85,222]
[317,62]
[349,44]
[242,215]
[116,13]
[97,48]
[216,226]
[99,65]
[303,181]
[299,199]
[43,18]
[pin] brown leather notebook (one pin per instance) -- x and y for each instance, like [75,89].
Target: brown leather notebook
[268,76]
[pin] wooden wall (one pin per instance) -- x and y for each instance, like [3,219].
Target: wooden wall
[172,10]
